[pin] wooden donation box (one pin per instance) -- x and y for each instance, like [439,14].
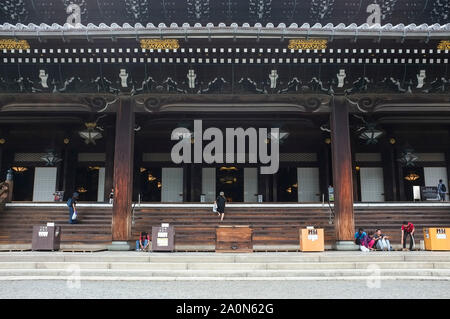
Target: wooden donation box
[436,238]
[312,239]
[163,238]
[234,239]
[46,237]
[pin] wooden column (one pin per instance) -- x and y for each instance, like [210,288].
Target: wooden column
[123,171]
[342,170]
[109,162]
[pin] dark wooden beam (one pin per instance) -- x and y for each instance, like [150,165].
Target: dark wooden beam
[123,171]
[342,170]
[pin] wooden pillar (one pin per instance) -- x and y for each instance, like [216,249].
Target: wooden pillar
[123,171]
[342,170]
[109,161]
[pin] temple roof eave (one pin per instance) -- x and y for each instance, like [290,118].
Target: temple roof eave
[221,30]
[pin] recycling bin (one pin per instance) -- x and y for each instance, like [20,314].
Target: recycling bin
[46,238]
[311,239]
[163,238]
[436,238]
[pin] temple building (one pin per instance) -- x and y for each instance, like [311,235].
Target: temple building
[91,93]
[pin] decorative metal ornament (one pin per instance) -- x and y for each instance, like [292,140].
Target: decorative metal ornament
[51,158]
[159,44]
[408,158]
[307,44]
[90,135]
[444,45]
[370,133]
[14,44]
[19,169]
[280,136]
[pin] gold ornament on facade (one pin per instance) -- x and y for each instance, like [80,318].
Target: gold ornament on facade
[444,45]
[66,141]
[307,44]
[14,44]
[2,141]
[159,44]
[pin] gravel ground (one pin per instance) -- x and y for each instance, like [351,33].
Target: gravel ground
[222,289]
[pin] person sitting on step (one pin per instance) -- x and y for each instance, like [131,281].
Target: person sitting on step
[361,240]
[382,241]
[142,244]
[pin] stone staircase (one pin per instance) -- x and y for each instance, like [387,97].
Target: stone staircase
[210,266]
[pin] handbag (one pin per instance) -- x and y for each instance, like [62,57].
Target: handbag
[215,208]
[74,216]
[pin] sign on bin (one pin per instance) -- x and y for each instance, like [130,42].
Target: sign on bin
[312,239]
[436,238]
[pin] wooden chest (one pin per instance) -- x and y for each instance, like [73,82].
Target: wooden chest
[234,239]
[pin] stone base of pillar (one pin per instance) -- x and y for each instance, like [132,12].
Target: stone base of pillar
[345,245]
[120,246]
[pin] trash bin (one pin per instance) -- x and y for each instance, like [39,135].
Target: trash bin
[311,239]
[436,238]
[46,238]
[163,238]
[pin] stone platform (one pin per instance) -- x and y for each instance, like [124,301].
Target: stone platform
[416,265]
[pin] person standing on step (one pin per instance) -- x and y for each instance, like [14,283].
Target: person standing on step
[442,190]
[408,230]
[72,204]
[220,202]
[111,196]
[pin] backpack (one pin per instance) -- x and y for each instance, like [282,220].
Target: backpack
[443,188]
[69,202]
[358,239]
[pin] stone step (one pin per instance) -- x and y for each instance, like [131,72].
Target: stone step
[72,274]
[134,257]
[224,266]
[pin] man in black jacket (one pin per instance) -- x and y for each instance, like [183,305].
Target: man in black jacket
[220,202]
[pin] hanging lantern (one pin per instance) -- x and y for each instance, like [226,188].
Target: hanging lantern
[412,177]
[51,158]
[370,133]
[90,135]
[81,190]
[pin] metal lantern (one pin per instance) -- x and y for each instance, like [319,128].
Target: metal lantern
[370,133]
[412,177]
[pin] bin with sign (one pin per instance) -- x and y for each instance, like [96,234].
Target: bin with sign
[436,238]
[311,239]
[46,237]
[163,238]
